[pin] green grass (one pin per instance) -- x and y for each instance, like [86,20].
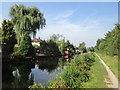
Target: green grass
[98,74]
[111,61]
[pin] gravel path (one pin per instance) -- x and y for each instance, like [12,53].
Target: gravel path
[113,81]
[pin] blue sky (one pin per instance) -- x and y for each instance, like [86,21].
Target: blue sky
[77,21]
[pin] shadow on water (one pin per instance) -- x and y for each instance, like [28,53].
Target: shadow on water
[22,74]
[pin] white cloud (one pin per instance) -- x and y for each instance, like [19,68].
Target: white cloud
[88,31]
[63,15]
[75,33]
[69,13]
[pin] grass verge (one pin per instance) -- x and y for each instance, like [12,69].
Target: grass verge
[98,74]
[111,61]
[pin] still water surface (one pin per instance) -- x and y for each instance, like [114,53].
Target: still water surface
[22,74]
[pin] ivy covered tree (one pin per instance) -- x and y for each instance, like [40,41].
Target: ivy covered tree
[26,19]
[8,37]
[26,48]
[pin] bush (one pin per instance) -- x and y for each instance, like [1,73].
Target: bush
[26,48]
[35,86]
[36,46]
[77,71]
[58,83]
[49,48]
[16,49]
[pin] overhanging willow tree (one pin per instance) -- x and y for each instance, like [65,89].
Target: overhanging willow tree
[26,19]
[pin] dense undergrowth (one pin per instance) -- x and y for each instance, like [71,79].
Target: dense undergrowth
[76,73]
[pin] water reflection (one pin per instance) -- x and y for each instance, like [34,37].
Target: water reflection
[22,74]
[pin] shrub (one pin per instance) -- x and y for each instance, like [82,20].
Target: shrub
[49,48]
[36,45]
[36,86]
[58,83]
[26,48]
[77,71]
[16,48]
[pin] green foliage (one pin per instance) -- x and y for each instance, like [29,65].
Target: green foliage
[109,45]
[58,83]
[26,48]
[8,37]
[97,75]
[91,49]
[62,45]
[68,46]
[82,47]
[76,73]
[49,48]
[36,46]
[16,48]
[26,19]
[57,37]
[35,86]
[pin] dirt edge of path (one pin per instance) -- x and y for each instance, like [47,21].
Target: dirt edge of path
[111,81]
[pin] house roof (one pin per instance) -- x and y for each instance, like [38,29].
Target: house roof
[37,40]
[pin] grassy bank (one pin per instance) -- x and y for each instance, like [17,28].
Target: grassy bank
[76,73]
[111,61]
[98,75]
[85,71]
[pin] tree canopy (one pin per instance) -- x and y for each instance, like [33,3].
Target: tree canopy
[26,19]
[109,45]
[57,37]
[8,37]
[82,47]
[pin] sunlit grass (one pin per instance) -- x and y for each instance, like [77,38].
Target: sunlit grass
[111,61]
[98,75]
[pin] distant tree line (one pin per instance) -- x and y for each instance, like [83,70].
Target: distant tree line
[56,46]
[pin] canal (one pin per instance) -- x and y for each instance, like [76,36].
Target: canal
[23,73]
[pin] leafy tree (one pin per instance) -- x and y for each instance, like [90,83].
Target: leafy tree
[109,45]
[26,19]
[50,48]
[82,47]
[57,37]
[68,46]
[8,37]
[91,49]
[98,43]
[26,47]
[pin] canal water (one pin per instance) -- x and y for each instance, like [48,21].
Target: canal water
[23,73]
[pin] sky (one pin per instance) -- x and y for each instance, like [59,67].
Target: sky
[77,21]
